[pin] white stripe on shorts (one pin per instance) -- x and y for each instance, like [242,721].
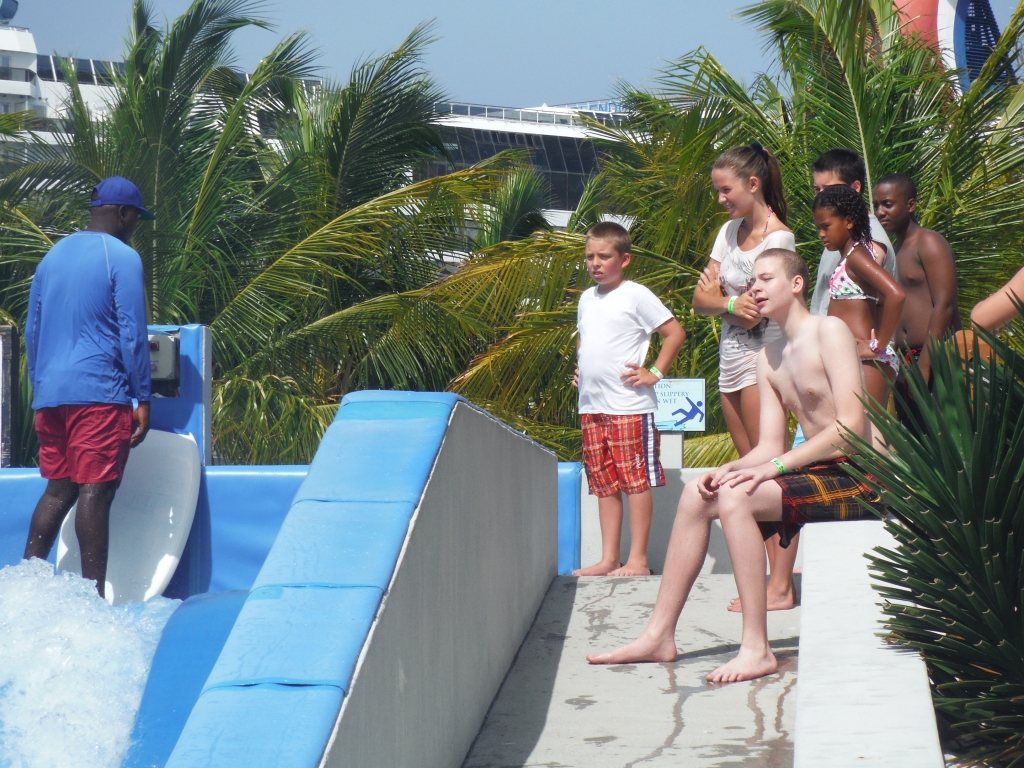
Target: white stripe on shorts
[650,433]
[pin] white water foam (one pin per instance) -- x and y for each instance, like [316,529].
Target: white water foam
[72,668]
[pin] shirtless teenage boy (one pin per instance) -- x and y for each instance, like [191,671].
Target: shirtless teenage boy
[813,370]
[927,274]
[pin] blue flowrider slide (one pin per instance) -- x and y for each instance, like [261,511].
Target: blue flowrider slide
[361,611]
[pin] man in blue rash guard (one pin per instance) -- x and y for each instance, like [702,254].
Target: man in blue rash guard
[88,358]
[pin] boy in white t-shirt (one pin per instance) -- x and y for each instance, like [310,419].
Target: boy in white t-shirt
[617,401]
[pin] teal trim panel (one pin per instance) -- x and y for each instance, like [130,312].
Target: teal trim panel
[20,490]
[569,483]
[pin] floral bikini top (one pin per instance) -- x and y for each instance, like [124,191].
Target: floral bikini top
[842,287]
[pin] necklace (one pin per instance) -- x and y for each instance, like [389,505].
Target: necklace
[768,218]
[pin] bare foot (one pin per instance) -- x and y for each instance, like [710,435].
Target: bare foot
[640,650]
[632,569]
[600,569]
[775,603]
[746,666]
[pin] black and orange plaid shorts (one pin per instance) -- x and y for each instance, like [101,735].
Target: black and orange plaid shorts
[621,453]
[819,493]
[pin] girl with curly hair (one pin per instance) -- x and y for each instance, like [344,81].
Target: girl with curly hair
[861,293]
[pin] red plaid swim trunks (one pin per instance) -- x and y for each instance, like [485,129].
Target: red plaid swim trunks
[621,453]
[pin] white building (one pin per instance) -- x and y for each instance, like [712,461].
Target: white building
[555,136]
[34,82]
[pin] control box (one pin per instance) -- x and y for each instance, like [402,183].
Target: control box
[164,364]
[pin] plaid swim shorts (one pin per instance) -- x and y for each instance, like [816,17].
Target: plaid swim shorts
[621,453]
[820,493]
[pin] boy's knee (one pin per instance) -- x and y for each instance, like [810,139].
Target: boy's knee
[692,504]
[690,498]
[732,503]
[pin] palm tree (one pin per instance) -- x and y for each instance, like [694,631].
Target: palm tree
[279,202]
[848,77]
[845,76]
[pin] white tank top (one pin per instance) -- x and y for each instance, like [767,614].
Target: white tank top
[736,276]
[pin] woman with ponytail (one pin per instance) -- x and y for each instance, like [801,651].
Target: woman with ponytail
[749,185]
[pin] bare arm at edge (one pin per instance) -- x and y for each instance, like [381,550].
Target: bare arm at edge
[998,309]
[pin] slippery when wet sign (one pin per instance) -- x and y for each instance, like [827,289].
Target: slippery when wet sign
[681,405]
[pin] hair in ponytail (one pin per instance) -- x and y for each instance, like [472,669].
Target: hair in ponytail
[754,160]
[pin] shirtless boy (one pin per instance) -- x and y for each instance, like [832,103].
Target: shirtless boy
[769,490]
[927,274]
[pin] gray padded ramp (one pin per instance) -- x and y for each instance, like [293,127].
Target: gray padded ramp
[479,555]
[859,701]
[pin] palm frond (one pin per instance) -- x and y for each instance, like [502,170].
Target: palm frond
[711,450]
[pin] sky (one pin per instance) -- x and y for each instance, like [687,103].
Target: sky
[520,54]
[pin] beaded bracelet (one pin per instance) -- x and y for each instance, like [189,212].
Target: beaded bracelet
[730,305]
[779,466]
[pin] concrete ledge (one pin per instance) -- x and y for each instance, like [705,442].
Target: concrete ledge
[666,500]
[859,701]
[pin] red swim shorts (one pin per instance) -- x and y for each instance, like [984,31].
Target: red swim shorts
[88,443]
[621,453]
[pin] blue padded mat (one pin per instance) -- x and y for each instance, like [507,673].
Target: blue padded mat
[20,489]
[297,636]
[447,399]
[365,458]
[261,725]
[188,649]
[306,620]
[338,543]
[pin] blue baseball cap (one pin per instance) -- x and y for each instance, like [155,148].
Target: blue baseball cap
[117,190]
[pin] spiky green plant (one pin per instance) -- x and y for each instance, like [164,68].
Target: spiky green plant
[954,585]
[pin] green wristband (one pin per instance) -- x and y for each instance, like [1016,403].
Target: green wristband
[730,305]
[779,466]
[654,369]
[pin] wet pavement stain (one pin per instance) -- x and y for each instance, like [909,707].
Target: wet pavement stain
[581,702]
[647,714]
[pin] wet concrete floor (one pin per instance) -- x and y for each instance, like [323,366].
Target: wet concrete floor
[556,711]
